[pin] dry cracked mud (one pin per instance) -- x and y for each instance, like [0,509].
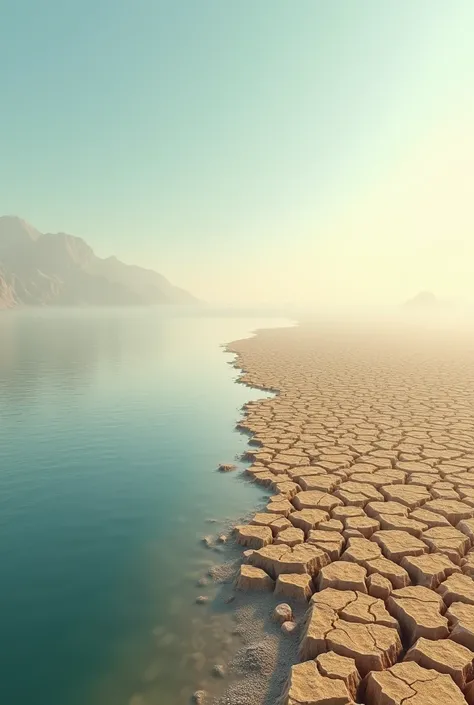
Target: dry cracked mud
[368,447]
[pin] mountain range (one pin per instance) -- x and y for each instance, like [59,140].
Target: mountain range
[45,269]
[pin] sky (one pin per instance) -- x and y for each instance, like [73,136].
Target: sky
[254,152]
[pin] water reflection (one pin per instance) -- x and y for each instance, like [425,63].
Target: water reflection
[110,426]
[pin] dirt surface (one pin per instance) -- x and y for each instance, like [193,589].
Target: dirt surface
[368,448]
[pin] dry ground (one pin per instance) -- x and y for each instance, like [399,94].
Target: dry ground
[369,448]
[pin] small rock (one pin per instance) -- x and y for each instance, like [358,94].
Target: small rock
[288,627]
[201,600]
[227,467]
[218,671]
[282,613]
[207,541]
[198,697]
[222,538]
[229,599]
[202,582]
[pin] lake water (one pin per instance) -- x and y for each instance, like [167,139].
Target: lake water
[111,426]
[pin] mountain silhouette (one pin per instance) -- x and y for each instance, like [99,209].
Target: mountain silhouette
[39,269]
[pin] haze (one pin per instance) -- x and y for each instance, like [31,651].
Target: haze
[253,152]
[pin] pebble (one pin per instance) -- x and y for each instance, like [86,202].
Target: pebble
[202,599]
[288,627]
[218,671]
[282,613]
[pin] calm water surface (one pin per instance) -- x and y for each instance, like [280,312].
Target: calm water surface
[111,424]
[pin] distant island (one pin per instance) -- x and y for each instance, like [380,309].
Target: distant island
[39,269]
[423,300]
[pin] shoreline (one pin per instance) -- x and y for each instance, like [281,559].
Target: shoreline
[258,654]
[369,449]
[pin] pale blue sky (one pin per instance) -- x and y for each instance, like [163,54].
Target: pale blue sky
[223,140]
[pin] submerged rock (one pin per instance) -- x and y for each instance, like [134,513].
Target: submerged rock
[218,670]
[227,467]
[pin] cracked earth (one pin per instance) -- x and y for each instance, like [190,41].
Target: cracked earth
[368,449]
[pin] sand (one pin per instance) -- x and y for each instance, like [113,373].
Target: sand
[369,443]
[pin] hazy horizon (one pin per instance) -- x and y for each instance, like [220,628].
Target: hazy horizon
[267,153]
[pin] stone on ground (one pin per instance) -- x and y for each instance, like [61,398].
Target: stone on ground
[282,613]
[288,628]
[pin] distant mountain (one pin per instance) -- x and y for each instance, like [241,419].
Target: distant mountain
[423,300]
[62,270]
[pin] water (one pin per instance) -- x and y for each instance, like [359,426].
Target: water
[111,424]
